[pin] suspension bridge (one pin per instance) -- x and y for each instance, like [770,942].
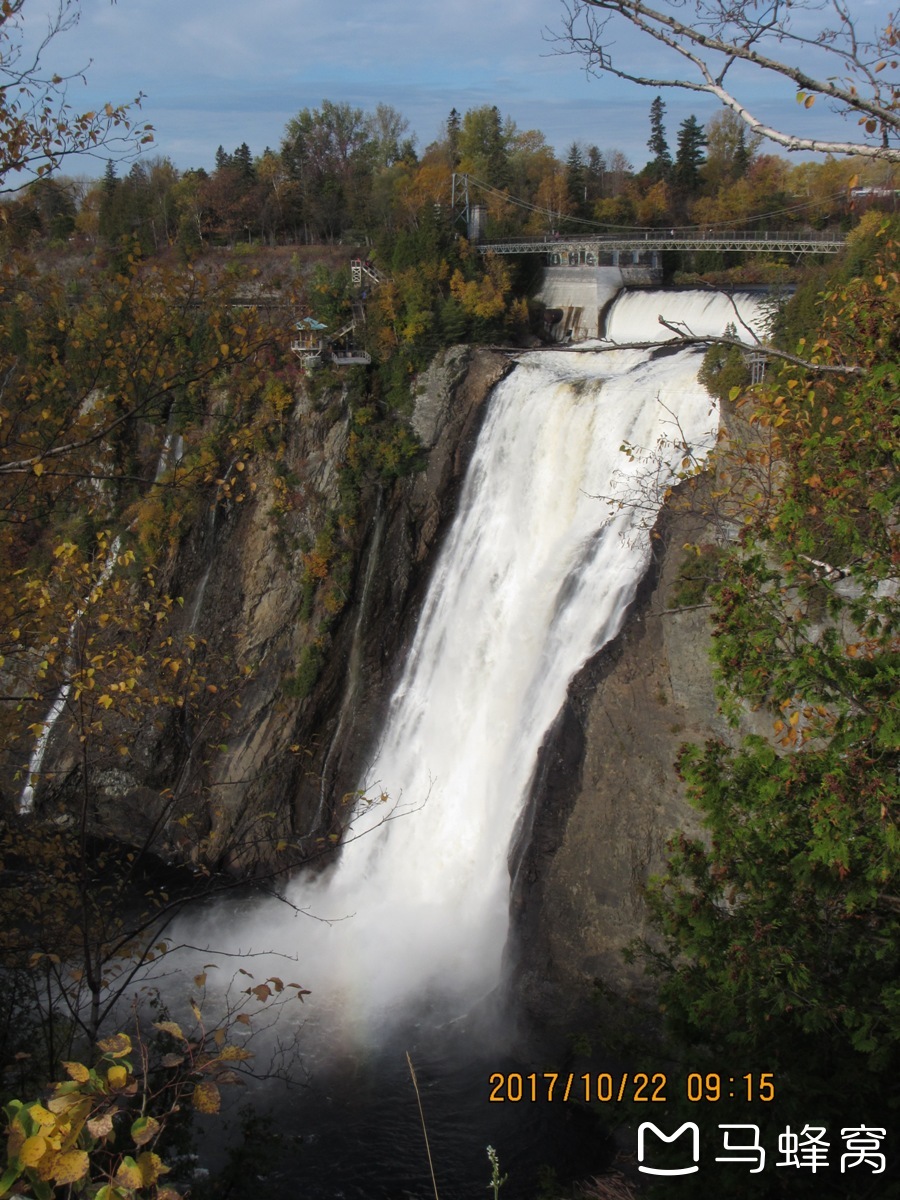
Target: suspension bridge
[588,248]
[593,246]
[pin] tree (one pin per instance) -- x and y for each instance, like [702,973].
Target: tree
[454,129]
[596,173]
[484,145]
[729,151]
[40,129]
[329,152]
[689,158]
[661,164]
[782,924]
[576,179]
[390,133]
[710,39]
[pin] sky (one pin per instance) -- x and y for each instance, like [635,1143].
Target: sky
[222,72]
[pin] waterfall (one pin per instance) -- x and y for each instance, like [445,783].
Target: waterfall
[536,575]
[58,707]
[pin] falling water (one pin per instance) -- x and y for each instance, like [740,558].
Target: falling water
[536,575]
[58,707]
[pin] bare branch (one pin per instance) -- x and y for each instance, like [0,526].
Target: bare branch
[40,127]
[837,63]
[684,337]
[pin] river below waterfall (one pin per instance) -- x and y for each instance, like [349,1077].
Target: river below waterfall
[403,939]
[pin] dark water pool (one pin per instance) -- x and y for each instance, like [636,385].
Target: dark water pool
[353,1130]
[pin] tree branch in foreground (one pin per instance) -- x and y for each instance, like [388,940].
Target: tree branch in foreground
[684,338]
[838,63]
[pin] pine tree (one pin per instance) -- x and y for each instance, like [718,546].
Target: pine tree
[109,224]
[596,170]
[242,161]
[690,156]
[661,165]
[454,124]
[576,179]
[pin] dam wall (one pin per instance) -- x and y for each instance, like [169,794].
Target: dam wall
[582,292]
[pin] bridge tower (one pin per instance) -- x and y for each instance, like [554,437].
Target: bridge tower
[459,202]
[469,220]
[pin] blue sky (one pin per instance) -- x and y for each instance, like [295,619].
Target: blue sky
[219,71]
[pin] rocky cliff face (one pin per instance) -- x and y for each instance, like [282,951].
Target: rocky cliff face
[320,668]
[606,797]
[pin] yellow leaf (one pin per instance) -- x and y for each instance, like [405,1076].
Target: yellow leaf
[77,1071]
[38,1113]
[38,468]
[169,1027]
[144,1130]
[129,1174]
[116,1046]
[151,1167]
[33,1150]
[117,1077]
[207,1098]
[223,349]
[70,1166]
[235,1054]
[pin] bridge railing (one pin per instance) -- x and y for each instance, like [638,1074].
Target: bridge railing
[680,235]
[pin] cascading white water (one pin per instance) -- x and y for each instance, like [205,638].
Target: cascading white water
[535,576]
[58,707]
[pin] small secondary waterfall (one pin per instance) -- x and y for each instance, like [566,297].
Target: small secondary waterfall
[536,574]
[58,707]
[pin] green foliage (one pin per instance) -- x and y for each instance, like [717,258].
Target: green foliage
[724,370]
[689,157]
[698,571]
[309,667]
[782,926]
[661,165]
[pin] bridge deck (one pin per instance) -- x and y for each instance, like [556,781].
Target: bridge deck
[656,240]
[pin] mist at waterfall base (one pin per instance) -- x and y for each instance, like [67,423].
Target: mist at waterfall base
[401,942]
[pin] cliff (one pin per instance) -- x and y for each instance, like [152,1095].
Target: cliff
[606,798]
[297,669]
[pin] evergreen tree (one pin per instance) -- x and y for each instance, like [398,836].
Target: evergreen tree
[242,161]
[690,155]
[576,179]
[596,171]
[661,165]
[454,126]
[743,155]
[109,223]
